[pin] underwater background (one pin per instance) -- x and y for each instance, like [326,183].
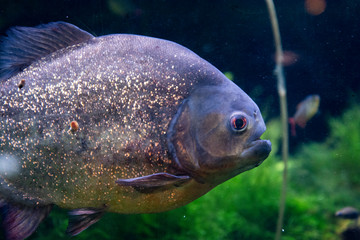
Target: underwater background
[323,53]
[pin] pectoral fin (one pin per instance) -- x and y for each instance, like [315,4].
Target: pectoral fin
[19,221]
[82,218]
[154,181]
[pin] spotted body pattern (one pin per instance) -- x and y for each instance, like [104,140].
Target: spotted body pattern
[128,96]
[123,107]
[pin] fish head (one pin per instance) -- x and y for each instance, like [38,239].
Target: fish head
[216,132]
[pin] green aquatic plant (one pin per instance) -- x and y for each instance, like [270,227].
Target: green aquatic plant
[324,179]
[345,137]
[229,75]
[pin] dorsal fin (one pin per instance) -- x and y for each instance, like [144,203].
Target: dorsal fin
[24,45]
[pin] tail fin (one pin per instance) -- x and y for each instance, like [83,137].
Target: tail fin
[293,126]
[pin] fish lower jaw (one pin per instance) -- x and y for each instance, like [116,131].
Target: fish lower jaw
[257,151]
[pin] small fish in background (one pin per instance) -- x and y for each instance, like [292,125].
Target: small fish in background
[152,126]
[352,231]
[305,110]
[348,213]
[289,58]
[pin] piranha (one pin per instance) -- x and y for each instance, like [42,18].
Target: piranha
[305,110]
[348,213]
[117,123]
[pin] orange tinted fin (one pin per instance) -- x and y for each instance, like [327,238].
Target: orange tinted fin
[292,126]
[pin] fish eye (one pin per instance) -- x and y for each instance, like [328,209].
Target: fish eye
[238,123]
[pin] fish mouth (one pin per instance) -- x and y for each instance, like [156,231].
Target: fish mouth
[257,151]
[252,156]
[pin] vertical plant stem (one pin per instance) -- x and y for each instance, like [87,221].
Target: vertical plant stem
[279,72]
